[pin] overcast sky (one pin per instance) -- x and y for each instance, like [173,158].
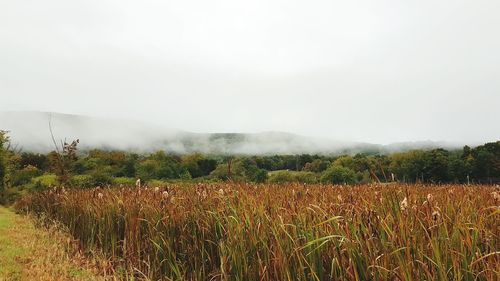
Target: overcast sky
[375,71]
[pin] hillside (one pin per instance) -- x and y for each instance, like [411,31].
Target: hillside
[30,132]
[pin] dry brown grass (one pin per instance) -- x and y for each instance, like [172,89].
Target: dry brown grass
[28,252]
[238,231]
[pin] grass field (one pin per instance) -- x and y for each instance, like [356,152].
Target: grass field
[30,253]
[239,231]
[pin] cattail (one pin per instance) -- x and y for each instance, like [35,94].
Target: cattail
[429,197]
[496,195]
[404,204]
[436,215]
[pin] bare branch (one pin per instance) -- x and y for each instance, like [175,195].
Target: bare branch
[52,134]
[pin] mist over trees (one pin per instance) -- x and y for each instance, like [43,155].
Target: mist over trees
[29,130]
[24,170]
[100,167]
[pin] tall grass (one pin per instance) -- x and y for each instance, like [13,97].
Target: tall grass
[286,232]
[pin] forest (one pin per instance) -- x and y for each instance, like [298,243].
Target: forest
[22,171]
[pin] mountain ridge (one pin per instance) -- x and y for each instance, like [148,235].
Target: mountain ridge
[30,130]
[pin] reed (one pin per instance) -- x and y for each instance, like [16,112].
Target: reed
[239,231]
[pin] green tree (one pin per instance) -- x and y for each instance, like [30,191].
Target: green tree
[37,160]
[317,166]
[435,166]
[486,167]
[160,166]
[198,165]
[337,174]
[147,170]
[269,163]
[407,166]
[458,168]
[127,169]
[222,171]
[23,176]
[345,161]
[251,171]
[282,176]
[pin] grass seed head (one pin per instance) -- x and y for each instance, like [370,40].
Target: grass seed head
[429,197]
[403,205]
[496,195]
[436,215]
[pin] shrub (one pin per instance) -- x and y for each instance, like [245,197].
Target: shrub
[153,183]
[123,181]
[306,177]
[100,177]
[285,176]
[281,177]
[44,181]
[338,175]
[81,181]
[258,176]
[24,175]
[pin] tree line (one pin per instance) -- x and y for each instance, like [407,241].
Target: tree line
[26,170]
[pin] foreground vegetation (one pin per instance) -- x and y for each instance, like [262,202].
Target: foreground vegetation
[30,253]
[242,231]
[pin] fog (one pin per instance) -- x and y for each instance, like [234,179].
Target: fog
[37,131]
[31,131]
[357,71]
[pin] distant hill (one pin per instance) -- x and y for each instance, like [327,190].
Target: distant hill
[30,131]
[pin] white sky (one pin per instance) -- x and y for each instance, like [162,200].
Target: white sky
[375,71]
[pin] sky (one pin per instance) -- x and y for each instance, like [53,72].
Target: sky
[371,71]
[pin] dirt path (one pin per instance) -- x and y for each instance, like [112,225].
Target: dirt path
[29,253]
